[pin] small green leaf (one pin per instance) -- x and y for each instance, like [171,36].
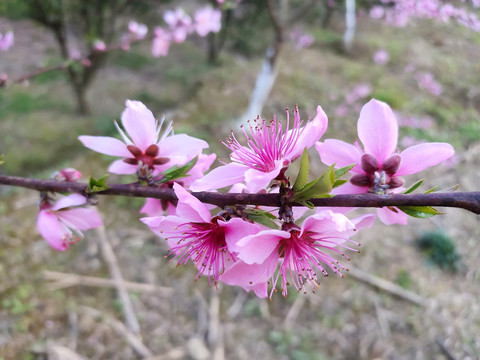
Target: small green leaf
[340,172]
[338,183]
[413,187]
[2,159]
[431,190]
[262,217]
[421,212]
[302,176]
[318,187]
[97,185]
[178,172]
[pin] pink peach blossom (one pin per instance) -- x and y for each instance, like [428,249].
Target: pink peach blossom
[161,42]
[207,20]
[193,234]
[6,41]
[180,24]
[61,224]
[379,166]
[67,174]
[142,144]
[139,31]
[303,251]
[270,148]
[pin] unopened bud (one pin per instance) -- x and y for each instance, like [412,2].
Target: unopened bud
[391,165]
[369,164]
[396,182]
[360,180]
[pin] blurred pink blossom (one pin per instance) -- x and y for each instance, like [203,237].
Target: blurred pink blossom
[139,31]
[99,45]
[360,91]
[6,41]
[381,57]
[161,42]
[301,39]
[62,223]
[377,12]
[427,81]
[207,20]
[180,24]
[67,174]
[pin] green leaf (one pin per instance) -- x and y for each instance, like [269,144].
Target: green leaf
[413,187]
[338,183]
[262,217]
[340,172]
[177,172]
[421,212]
[2,159]
[97,185]
[302,176]
[318,187]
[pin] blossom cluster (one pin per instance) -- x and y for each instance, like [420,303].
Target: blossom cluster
[247,245]
[400,12]
[180,25]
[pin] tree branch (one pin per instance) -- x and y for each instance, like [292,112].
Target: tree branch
[465,200]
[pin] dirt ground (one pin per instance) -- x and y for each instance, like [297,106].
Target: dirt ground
[46,312]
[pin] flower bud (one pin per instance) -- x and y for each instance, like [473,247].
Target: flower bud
[391,165]
[360,180]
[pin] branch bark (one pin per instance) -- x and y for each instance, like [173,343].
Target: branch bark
[465,200]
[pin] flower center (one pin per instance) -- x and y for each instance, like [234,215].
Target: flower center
[148,158]
[268,142]
[205,244]
[377,178]
[303,255]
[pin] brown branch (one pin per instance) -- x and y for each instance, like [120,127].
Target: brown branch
[465,200]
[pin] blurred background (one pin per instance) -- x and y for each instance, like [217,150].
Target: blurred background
[291,52]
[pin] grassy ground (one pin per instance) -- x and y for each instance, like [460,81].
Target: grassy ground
[345,319]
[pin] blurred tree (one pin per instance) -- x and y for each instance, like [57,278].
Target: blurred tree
[78,23]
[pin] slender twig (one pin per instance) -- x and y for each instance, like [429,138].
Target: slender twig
[115,272]
[386,285]
[118,326]
[62,280]
[465,200]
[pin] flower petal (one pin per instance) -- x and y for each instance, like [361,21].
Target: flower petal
[325,222]
[122,168]
[105,145]
[340,153]
[312,132]
[378,130]
[203,164]
[68,201]
[257,180]
[236,229]
[181,145]
[419,157]
[189,207]
[140,124]
[220,177]
[49,227]
[81,218]
[163,226]
[255,249]
[389,217]
[152,207]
